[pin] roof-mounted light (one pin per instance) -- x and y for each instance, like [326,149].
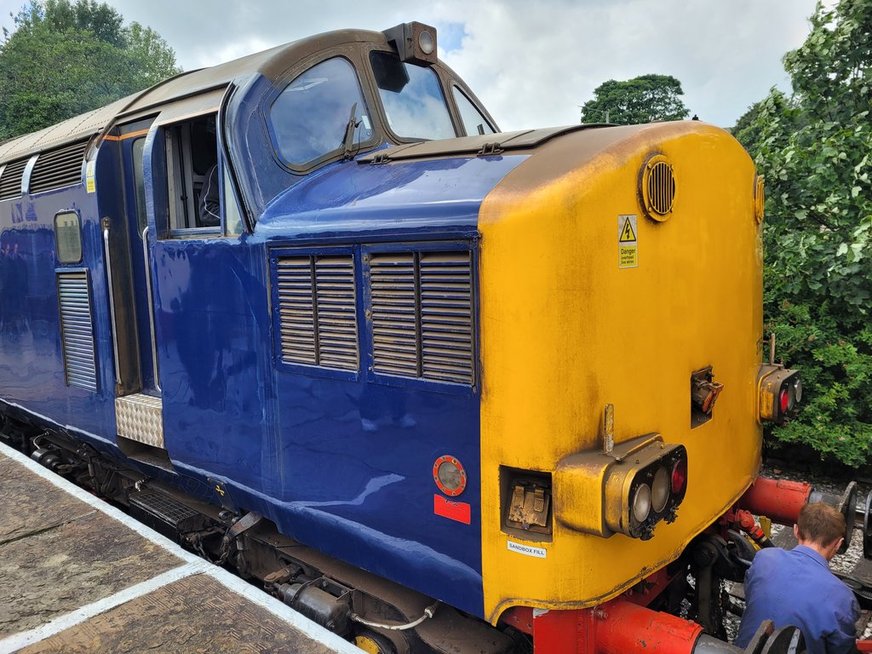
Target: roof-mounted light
[414,42]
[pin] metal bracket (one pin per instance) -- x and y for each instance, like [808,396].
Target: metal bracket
[490,149]
[379,158]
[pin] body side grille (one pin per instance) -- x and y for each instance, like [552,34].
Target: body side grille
[422,315]
[336,308]
[10,180]
[393,293]
[296,309]
[58,168]
[446,317]
[317,311]
[77,331]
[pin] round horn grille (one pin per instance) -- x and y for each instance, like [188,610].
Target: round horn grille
[658,188]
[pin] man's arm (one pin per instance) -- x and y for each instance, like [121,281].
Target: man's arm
[843,639]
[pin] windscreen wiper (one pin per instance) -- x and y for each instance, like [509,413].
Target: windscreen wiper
[348,138]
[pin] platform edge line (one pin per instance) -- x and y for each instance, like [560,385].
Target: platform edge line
[77,616]
[278,608]
[95,502]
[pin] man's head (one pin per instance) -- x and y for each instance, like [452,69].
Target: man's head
[821,527]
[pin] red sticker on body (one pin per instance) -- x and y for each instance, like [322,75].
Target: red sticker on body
[459,511]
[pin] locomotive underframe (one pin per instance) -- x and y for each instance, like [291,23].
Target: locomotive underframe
[395,619]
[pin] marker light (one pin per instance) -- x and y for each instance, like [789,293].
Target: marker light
[780,393]
[660,488]
[679,476]
[642,503]
[414,42]
[449,475]
[783,401]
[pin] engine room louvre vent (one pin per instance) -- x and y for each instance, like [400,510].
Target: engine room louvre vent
[58,168]
[394,293]
[77,331]
[317,311]
[422,315]
[10,179]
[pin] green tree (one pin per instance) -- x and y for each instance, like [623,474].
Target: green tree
[815,152]
[64,58]
[639,100]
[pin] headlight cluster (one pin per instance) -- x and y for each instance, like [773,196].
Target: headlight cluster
[654,491]
[627,490]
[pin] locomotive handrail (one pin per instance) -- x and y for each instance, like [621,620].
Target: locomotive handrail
[150,299]
[109,280]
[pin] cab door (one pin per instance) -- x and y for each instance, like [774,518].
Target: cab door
[138,402]
[175,208]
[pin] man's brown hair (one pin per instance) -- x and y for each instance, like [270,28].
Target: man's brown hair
[820,523]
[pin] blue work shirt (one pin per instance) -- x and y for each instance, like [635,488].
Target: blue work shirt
[796,587]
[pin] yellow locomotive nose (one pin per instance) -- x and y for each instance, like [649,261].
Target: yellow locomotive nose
[594,252]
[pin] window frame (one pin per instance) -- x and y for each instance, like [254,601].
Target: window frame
[456,88]
[288,79]
[70,262]
[440,80]
[177,170]
[139,193]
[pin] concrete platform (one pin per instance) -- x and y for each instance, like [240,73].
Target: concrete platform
[78,575]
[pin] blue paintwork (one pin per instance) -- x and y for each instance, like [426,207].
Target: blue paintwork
[340,461]
[31,359]
[386,200]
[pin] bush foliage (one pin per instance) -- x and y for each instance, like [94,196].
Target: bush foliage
[814,149]
[64,58]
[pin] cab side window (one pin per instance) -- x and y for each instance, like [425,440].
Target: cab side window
[193,179]
[473,122]
[312,117]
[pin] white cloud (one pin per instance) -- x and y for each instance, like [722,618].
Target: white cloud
[531,63]
[534,63]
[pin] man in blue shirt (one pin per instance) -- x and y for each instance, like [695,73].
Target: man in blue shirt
[796,587]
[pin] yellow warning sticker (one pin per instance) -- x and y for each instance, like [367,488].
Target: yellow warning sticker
[90,177]
[628,230]
[628,242]
[628,257]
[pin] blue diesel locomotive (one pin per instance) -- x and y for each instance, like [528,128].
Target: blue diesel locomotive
[439,387]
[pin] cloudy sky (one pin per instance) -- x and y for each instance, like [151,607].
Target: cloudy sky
[532,62]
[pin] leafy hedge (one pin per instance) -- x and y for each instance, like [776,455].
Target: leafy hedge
[814,150]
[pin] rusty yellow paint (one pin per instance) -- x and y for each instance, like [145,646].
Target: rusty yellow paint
[565,331]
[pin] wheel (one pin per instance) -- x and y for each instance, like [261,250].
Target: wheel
[787,640]
[867,528]
[847,508]
[373,643]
